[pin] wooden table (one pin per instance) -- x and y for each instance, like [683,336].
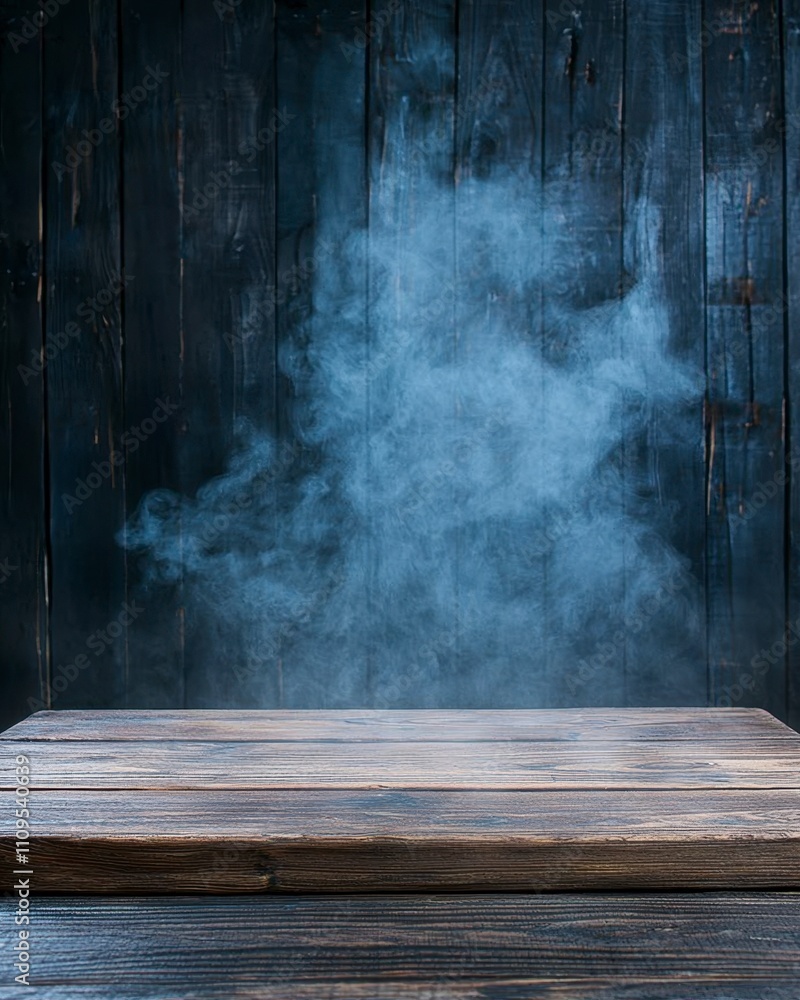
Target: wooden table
[615,814]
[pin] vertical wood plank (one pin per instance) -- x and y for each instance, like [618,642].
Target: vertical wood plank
[498,125]
[412,216]
[745,351]
[84,378]
[789,313]
[227,108]
[663,169]
[152,304]
[583,169]
[23,538]
[321,328]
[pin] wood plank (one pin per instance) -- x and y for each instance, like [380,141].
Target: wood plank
[322,346]
[677,725]
[412,607]
[23,516]
[380,857]
[498,262]
[582,817]
[228,258]
[787,315]
[665,475]
[82,286]
[745,447]
[152,304]
[650,947]
[584,50]
[491,765]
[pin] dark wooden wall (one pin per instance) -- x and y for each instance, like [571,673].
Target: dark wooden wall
[590,94]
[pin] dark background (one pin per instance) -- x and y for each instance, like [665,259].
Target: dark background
[696,105]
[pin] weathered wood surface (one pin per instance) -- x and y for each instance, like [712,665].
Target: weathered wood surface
[599,103]
[409,765]
[400,808]
[745,344]
[152,314]
[651,724]
[23,508]
[336,841]
[494,947]
[84,286]
[787,315]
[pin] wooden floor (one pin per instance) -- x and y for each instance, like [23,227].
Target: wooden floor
[578,855]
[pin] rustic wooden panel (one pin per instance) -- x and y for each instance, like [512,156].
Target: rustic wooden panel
[582,232]
[321,309]
[82,286]
[339,841]
[410,150]
[498,170]
[655,947]
[698,725]
[787,314]
[227,99]
[745,353]
[23,516]
[151,175]
[518,765]
[645,817]
[619,112]
[662,173]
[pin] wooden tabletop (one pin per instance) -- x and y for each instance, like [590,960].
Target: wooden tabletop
[223,802]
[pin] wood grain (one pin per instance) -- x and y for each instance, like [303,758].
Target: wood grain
[322,214]
[410,151]
[584,79]
[578,96]
[420,765]
[745,446]
[494,947]
[86,418]
[357,725]
[662,172]
[152,180]
[394,809]
[23,517]
[787,316]
[222,842]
